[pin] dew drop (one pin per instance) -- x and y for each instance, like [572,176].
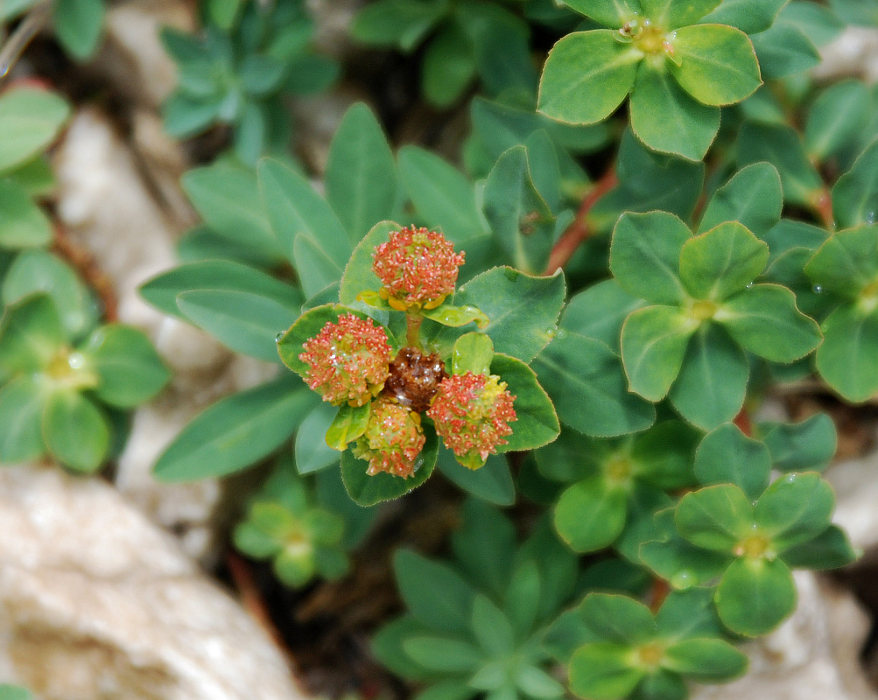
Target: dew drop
[870,217]
[76,360]
[749,285]
[278,337]
[790,478]
[817,289]
[683,580]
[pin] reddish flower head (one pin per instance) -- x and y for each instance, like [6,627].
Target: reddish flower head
[347,361]
[393,439]
[418,268]
[472,413]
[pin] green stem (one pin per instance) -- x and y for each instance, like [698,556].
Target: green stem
[413,330]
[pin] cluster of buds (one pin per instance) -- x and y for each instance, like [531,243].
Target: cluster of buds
[417,267]
[349,363]
[472,413]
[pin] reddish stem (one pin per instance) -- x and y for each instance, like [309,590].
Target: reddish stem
[742,420]
[579,231]
[88,269]
[822,205]
[251,598]
[657,594]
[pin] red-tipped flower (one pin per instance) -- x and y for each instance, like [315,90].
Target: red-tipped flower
[393,439]
[472,413]
[347,361]
[418,268]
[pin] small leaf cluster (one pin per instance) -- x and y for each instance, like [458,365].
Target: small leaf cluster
[283,523]
[63,376]
[237,70]
[463,42]
[616,647]
[475,625]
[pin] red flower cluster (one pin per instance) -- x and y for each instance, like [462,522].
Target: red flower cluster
[393,439]
[347,361]
[418,268]
[472,413]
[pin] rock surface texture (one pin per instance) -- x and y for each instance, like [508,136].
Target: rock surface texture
[97,603]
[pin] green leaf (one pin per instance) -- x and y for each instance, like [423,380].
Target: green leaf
[441,195]
[243,321]
[717,63]
[591,514]
[794,509]
[667,119]
[75,431]
[587,384]
[523,309]
[705,659]
[654,341]
[837,118]
[78,25]
[645,256]
[809,444]
[349,423]
[434,594]
[129,369]
[662,456]
[599,311]
[722,261]
[536,683]
[523,597]
[361,183]
[236,431]
[610,13]
[603,671]
[368,490]
[752,196]
[311,451]
[403,23]
[24,223]
[784,50]
[846,359]
[491,627]
[358,276]
[442,654]
[520,218]
[30,119]
[537,422]
[856,12]
[781,146]
[671,14]
[755,595]
[712,383]
[492,482]
[855,194]
[818,22]
[726,455]
[14,692]
[715,517]
[831,549]
[750,16]
[22,402]
[764,319]
[846,263]
[30,334]
[617,618]
[484,545]
[215,275]
[448,66]
[307,230]
[227,198]
[472,352]
[587,76]
[456,316]
[35,271]
[688,614]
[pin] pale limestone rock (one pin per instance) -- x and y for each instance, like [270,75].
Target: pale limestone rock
[856,491]
[814,655]
[133,56]
[98,604]
[853,53]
